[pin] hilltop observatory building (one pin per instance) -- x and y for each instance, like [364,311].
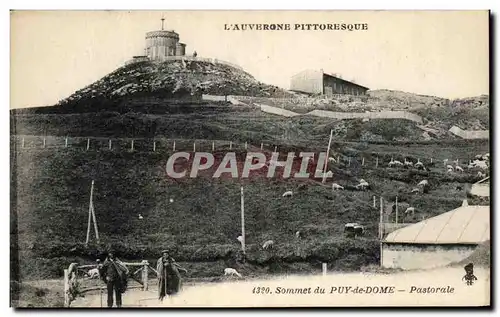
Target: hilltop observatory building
[160,45]
[163,43]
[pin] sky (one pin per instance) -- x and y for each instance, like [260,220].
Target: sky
[439,53]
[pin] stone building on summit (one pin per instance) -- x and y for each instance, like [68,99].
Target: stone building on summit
[319,83]
[160,45]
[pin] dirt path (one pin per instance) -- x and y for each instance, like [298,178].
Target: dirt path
[405,286]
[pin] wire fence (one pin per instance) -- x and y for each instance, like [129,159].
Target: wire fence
[359,160]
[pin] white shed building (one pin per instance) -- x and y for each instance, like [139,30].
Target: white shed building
[481,188]
[438,241]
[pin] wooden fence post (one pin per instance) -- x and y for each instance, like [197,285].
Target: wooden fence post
[374,202]
[324,269]
[66,142]
[174,147]
[44,142]
[396,209]
[66,288]
[230,145]
[363,162]
[109,144]
[246,146]
[349,162]
[88,144]
[132,145]
[376,163]
[261,146]
[213,146]
[194,146]
[145,275]
[22,143]
[154,146]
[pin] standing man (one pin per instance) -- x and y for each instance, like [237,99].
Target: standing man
[114,273]
[169,278]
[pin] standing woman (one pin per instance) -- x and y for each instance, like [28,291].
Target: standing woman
[169,277]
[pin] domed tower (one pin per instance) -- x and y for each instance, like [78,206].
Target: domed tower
[160,44]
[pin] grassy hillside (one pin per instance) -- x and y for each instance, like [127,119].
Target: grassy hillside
[156,101]
[203,221]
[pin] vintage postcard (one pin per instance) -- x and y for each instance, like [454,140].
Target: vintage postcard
[250,159]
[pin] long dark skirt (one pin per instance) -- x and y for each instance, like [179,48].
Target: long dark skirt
[173,284]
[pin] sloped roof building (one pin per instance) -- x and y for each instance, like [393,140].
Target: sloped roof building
[438,241]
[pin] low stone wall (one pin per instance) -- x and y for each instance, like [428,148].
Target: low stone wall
[467,134]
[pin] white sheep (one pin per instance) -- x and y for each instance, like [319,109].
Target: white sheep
[459,169]
[410,209]
[480,164]
[140,216]
[288,194]
[398,163]
[297,234]
[394,162]
[480,174]
[336,186]
[449,167]
[268,244]
[362,185]
[331,159]
[240,239]
[329,174]
[408,163]
[423,183]
[415,190]
[93,273]
[231,272]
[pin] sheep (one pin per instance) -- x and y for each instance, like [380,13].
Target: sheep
[337,186]
[353,229]
[268,244]
[449,167]
[423,183]
[410,209]
[329,174]
[477,163]
[450,170]
[240,239]
[362,185]
[408,163]
[331,159]
[480,174]
[393,162]
[93,273]
[398,163]
[297,234]
[288,194]
[231,272]
[140,216]
[459,169]
[415,190]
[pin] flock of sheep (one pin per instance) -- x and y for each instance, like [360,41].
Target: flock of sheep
[355,229]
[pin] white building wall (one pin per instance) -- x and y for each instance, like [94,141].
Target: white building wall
[409,257]
[310,81]
[482,190]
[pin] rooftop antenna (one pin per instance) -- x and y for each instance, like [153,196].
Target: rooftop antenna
[162,21]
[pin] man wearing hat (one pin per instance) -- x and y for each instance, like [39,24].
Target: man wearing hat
[114,273]
[169,278]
